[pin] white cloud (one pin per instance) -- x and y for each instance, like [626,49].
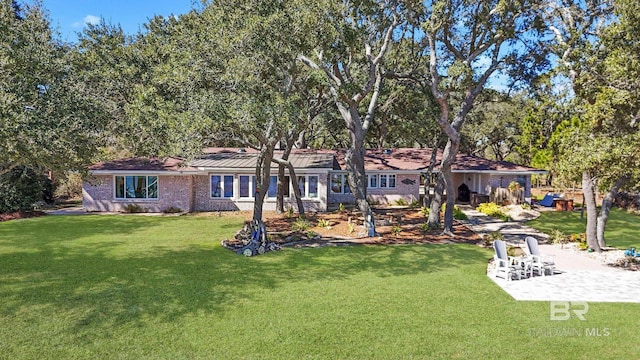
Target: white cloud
[89,19]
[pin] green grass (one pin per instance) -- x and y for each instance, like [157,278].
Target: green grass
[81,287]
[622,230]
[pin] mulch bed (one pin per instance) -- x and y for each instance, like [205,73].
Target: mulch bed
[339,232]
[20,215]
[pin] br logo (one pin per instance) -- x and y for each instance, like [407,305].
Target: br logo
[561,310]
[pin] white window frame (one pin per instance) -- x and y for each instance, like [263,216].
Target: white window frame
[305,192]
[222,187]
[395,179]
[124,190]
[274,182]
[389,178]
[370,179]
[252,187]
[343,185]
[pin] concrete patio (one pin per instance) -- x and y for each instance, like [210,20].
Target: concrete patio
[577,278]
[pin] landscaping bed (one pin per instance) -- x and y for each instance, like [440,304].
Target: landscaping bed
[393,226]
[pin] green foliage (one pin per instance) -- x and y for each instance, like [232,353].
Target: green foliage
[488,239]
[341,208]
[301,224]
[493,210]
[323,223]
[134,209]
[458,214]
[289,213]
[425,211]
[22,188]
[351,228]
[414,204]
[47,121]
[69,186]
[396,230]
[558,237]
[401,202]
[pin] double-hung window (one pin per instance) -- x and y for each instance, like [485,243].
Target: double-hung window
[373,180]
[308,186]
[392,181]
[381,181]
[136,187]
[221,186]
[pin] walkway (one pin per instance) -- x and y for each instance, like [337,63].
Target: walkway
[578,278]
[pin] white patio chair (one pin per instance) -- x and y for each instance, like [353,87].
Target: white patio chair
[540,263]
[506,266]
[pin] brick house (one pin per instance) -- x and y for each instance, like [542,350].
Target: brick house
[224,179]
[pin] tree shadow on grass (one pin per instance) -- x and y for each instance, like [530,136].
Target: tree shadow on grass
[100,288]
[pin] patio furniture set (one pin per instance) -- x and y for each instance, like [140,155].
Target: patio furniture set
[522,267]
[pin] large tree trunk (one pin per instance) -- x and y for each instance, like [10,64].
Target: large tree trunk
[263,177]
[426,201]
[296,188]
[354,160]
[588,189]
[436,203]
[448,157]
[294,182]
[603,216]
[281,187]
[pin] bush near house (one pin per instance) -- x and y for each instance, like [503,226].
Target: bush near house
[493,210]
[22,188]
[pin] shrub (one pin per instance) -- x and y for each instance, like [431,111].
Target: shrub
[172,210]
[396,230]
[492,209]
[458,214]
[488,239]
[323,223]
[401,202]
[69,186]
[22,188]
[425,211]
[341,207]
[350,228]
[414,205]
[301,224]
[134,209]
[558,237]
[289,213]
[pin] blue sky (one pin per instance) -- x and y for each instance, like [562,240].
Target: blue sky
[70,16]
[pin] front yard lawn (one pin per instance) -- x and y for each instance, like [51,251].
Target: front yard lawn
[77,287]
[622,230]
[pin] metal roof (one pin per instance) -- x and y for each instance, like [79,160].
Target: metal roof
[229,159]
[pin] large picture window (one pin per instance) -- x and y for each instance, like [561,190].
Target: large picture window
[136,187]
[221,186]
